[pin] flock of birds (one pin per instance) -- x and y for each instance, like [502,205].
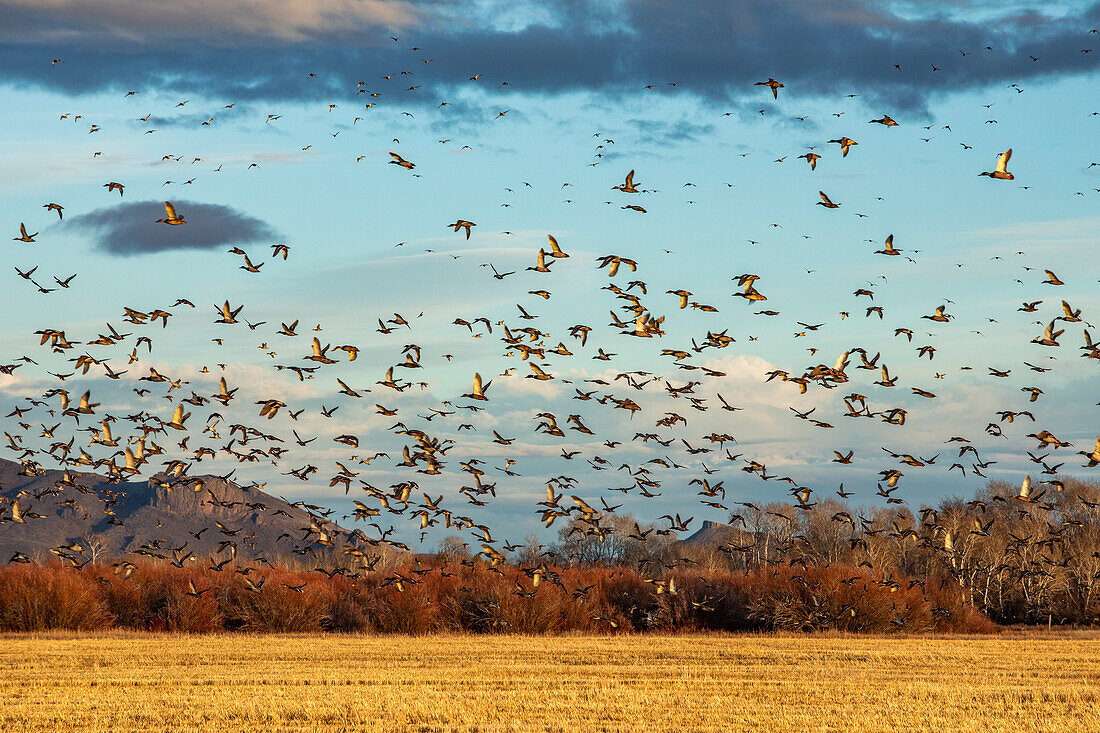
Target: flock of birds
[171,444]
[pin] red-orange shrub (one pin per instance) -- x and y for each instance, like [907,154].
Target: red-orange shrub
[34,598]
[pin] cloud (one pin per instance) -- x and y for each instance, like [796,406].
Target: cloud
[521,385]
[217,115]
[714,50]
[1066,232]
[14,384]
[666,132]
[141,22]
[132,229]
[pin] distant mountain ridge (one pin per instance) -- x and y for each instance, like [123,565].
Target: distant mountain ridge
[61,510]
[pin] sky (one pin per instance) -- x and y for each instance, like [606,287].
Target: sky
[275,124]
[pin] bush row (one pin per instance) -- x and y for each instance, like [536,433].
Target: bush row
[477,598]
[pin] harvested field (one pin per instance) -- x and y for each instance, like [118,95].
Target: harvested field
[489,683]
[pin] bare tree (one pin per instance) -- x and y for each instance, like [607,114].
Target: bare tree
[94,548]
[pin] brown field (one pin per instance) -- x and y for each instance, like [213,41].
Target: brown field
[152,682]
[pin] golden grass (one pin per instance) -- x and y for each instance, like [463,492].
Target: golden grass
[151,682]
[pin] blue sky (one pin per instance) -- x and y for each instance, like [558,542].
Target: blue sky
[718,154]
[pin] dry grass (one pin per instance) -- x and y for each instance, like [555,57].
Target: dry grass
[152,682]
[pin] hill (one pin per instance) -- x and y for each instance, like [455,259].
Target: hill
[711,534]
[82,516]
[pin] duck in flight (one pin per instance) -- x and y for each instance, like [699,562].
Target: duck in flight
[478,391]
[463,224]
[812,159]
[398,160]
[771,84]
[172,217]
[23,236]
[555,249]
[889,248]
[1001,171]
[628,186]
[845,143]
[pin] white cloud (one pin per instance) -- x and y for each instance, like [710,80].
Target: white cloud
[1061,236]
[519,384]
[15,384]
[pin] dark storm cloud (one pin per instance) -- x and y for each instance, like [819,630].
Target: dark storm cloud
[664,132]
[216,115]
[131,228]
[181,21]
[706,47]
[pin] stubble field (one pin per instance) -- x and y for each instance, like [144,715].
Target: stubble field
[156,682]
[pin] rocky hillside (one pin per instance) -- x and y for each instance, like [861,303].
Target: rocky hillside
[711,534]
[77,515]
